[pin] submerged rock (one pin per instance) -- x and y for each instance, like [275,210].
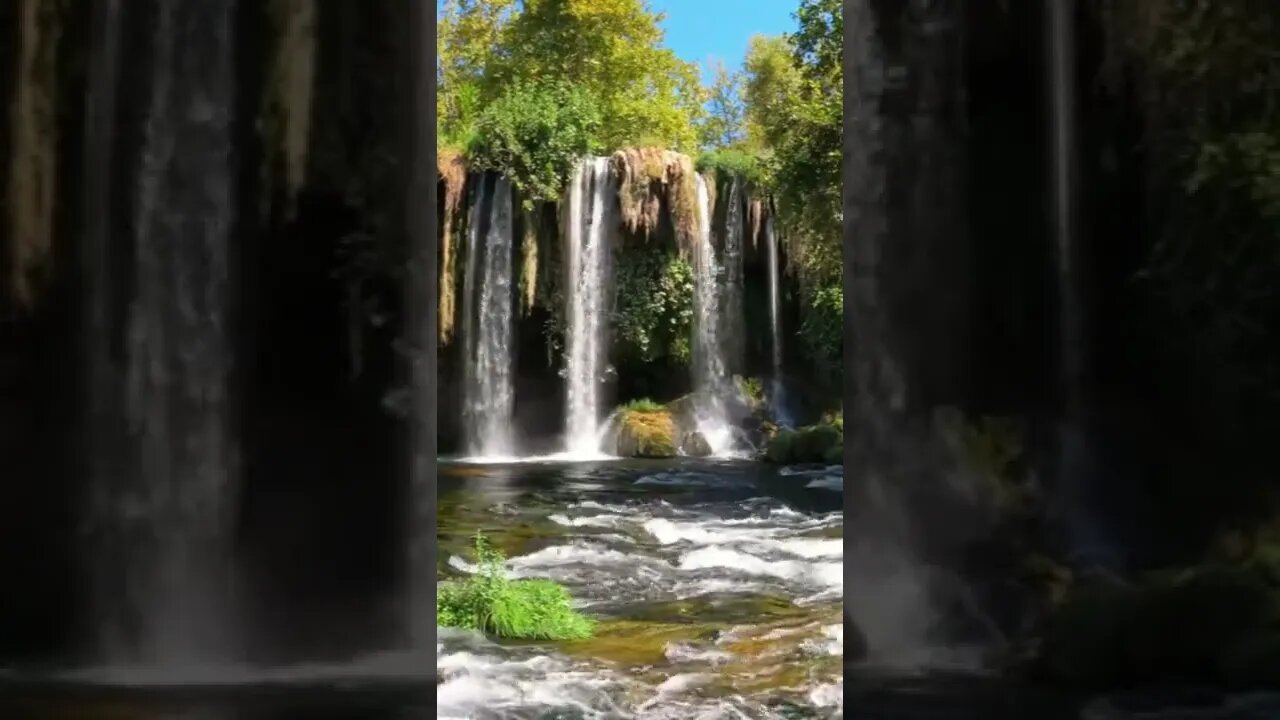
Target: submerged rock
[647,434]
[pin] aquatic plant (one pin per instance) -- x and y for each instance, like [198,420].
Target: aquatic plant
[492,603]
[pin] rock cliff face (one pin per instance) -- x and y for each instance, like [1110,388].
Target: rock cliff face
[649,248]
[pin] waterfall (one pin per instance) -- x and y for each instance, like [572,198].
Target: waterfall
[709,376]
[161,524]
[488,388]
[776,391]
[587,253]
[1062,84]
[732,318]
[1079,485]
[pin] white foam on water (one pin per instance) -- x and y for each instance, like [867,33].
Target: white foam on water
[598,521]
[554,458]
[829,695]
[476,685]
[661,550]
[830,575]
[686,653]
[833,483]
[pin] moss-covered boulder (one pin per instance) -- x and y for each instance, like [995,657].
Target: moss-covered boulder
[821,443]
[647,433]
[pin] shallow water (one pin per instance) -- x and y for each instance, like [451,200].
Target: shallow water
[717,587]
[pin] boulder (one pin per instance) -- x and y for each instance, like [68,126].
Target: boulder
[694,444]
[647,434]
[823,443]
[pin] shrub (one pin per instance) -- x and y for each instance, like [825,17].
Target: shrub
[534,133]
[515,609]
[654,312]
[732,161]
[822,327]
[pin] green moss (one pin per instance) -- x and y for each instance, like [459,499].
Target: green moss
[514,609]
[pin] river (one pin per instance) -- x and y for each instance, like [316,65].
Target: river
[717,587]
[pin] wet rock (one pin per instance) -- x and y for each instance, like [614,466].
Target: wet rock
[647,434]
[694,444]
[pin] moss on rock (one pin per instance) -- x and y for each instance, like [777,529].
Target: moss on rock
[647,433]
[823,443]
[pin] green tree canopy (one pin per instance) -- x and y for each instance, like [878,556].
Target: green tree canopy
[724,124]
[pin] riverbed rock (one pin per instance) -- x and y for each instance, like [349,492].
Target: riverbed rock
[647,434]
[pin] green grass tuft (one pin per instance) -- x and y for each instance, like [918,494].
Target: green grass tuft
[643,405]
[514,609]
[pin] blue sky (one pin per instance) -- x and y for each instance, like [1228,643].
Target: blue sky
[698,30]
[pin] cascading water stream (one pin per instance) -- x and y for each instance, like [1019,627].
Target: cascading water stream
[732,320]
[776,390]
[587,252]
[709,375]
[488,391]
[1062,83]
[1077,487]
[162,523]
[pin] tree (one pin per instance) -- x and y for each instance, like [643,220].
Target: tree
[771,89]
[468,32]
[794,118]
[724,125]
[611,49]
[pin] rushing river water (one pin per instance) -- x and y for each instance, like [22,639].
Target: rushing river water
[717,588]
